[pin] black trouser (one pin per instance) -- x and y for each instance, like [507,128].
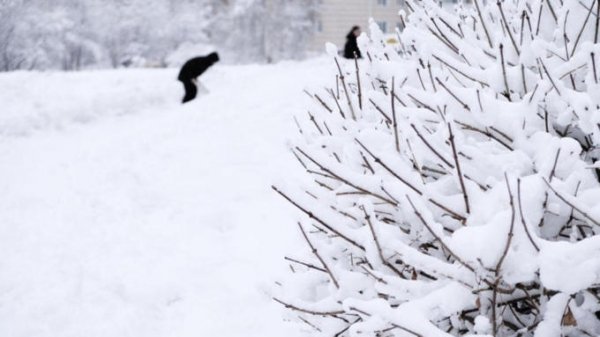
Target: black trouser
[190,89]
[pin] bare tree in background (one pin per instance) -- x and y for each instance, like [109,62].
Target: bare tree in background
[72,34]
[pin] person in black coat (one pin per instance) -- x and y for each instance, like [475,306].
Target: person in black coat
[351,47]
[191,70]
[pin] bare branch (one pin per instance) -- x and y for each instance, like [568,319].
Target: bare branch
[395,123]
[319,220]
[437,237]
[582,212]
[307,311]
[458,172]
[525,227]
[316,253]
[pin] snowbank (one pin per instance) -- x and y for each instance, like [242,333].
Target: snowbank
[123,213]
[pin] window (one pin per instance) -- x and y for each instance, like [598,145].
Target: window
[382,2]
[382,25]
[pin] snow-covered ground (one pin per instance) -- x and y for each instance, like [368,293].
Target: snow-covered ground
[124,213]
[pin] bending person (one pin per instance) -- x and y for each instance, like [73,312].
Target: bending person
[191,70]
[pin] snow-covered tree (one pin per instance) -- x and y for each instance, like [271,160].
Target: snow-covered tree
[264,30]
[290,28]
[71,34]
[454,178]
[16,21]
[239,30]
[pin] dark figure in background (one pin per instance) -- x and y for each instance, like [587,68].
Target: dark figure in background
[191,70]
[351,47]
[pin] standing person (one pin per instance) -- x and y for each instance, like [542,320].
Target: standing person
[351,47]
[191,70]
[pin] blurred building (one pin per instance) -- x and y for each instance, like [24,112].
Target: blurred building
[336,18]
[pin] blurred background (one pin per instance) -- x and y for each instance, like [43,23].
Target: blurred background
[84,34]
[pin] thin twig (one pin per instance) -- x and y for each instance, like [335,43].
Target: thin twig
[585,214]
[460,72]
[507,93]
[395,123]
[337,103]
[597,23]
[387,118]
[307,311]
[583,28]
[345,181]
[437,237]
[311,266]
[411,186]
[431,77]
[510,35]
[483,132]
[358,82]
[312,119]
[458,171]
[343,80]
[594,63]
[319,220]
[553,170]
[487,35]
[309,323]
[550,77]
[318,256]
[378,245]
[464,105]
[323,103]
[525,227]
[511,229]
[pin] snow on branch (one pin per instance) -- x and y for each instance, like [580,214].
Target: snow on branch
[455,178]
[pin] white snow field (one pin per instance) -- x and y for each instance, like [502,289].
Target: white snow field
[124,213]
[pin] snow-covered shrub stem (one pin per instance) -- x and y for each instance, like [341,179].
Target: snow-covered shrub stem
[454,178]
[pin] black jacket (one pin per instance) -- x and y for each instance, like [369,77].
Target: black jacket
[196,66]
[351,47]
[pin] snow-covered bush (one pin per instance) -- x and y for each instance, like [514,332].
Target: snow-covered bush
[454,186]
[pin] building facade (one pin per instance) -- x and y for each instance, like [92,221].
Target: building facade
[336,18]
